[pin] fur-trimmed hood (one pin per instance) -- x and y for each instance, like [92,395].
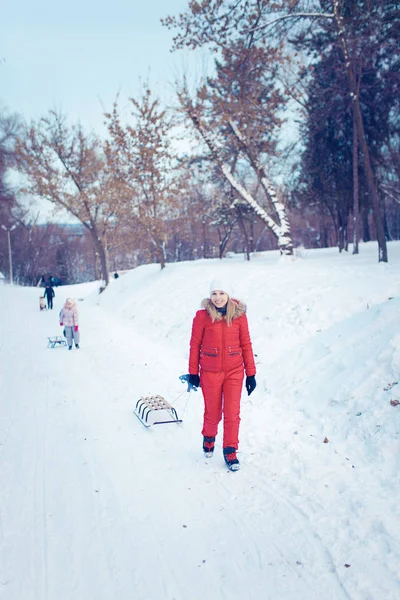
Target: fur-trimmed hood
[240,310]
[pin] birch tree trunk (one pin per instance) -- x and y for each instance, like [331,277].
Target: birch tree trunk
[281,230]
[280,212]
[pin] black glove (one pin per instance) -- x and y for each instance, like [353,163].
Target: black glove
[193,381]
[250,384]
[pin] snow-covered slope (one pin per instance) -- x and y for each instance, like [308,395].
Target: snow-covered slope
[96,507]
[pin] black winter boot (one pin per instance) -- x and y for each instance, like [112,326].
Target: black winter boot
[231,458]
[208,446]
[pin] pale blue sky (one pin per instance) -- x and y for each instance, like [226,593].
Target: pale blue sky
[76,56]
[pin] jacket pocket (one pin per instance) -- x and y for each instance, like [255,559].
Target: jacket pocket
[208,351]
[234,351]
[234,357]
[210,358]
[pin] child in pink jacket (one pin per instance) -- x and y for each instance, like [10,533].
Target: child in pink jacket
[69,319]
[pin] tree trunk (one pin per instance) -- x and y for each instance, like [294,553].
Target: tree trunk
[380,232]
[335,227]
[204,230]
[251,240]
[97,273]
[340,231]
[159,249]
[224,237]
[366,236]
[388,235]
[244,232]
[101,252]
[278,207]
[356,194]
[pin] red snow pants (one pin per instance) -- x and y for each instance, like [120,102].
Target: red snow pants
[222,391]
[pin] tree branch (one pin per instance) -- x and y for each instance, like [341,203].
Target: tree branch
[293,16]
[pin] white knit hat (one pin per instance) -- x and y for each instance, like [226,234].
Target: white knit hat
[223,285]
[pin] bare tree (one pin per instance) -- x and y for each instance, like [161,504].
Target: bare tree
[67,167]
[145,163]
[9,128]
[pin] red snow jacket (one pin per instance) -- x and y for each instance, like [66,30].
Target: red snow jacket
[217,347]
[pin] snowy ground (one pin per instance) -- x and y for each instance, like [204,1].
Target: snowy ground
[94,506]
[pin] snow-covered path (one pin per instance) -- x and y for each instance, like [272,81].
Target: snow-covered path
[93,506]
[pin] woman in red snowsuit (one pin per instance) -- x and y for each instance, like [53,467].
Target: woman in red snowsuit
[220,347]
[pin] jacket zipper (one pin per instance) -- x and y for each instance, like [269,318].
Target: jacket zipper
[223,345]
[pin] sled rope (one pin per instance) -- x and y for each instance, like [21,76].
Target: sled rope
[187,401]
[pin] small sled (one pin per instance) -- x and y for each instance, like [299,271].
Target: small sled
[56,340]
[42,303]
[149,407]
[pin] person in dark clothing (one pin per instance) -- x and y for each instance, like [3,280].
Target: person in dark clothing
[49,295]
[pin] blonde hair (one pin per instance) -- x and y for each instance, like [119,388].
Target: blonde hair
[230,311]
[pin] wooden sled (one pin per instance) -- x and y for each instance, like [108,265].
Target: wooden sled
[149,407]
[56,340]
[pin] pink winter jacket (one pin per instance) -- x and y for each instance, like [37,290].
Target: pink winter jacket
[69,316]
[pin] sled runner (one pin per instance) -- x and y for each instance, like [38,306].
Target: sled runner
[148,407]
[56,340]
